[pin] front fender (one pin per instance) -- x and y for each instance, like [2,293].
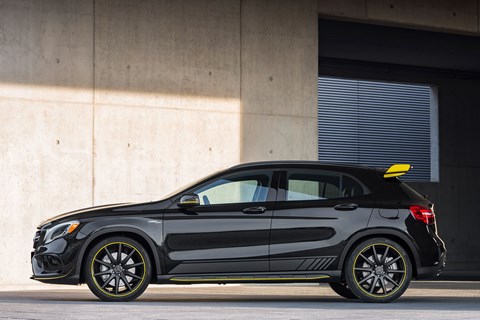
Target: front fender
[151,233]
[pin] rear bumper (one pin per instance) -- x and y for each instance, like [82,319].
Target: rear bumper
[429,272]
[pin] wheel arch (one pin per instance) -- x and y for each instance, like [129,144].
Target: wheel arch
[133,233]
[392,234]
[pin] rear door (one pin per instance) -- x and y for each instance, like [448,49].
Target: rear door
[316,211]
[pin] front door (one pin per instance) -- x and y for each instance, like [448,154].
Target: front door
[228,232]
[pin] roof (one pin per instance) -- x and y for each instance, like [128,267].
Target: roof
[288,163]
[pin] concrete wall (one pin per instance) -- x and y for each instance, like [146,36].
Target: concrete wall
[278,80]
[107,101]
[114,101]
[46,120]
[167,95]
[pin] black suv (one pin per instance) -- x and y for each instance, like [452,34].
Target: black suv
[360,229]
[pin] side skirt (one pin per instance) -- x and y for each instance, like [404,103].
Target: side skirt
[296,277]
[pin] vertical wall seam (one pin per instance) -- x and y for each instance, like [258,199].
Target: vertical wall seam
[241,156]
[93,107]
[240,47]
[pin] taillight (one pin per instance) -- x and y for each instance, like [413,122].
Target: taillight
[426,215]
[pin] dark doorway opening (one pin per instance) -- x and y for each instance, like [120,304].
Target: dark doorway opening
[451,63]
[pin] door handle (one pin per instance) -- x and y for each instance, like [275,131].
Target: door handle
[254,210]
[346,206]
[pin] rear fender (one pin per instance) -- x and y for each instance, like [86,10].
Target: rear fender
[392,234]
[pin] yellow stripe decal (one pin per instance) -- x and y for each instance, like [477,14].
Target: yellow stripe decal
[244,279]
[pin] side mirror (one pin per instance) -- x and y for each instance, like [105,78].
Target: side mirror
[189,200]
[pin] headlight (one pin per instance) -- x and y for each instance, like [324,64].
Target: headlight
[60,230]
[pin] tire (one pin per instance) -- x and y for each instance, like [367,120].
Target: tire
[113,279]
[342,290]
[378,270]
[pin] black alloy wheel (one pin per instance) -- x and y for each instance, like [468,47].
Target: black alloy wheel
[342,290]
[117,269]
[378,270]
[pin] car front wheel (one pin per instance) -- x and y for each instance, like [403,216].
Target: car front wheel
[117,269]
[378,270]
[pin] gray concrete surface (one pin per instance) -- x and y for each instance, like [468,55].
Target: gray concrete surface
[424,300]
[279,51]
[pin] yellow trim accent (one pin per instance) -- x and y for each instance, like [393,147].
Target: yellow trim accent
[377,295]
[118,295]
[247,279]
[189,202]
[53,278]
[397,170]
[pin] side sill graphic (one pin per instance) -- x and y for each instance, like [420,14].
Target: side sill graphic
[182,279]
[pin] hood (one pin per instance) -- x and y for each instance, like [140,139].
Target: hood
[117,208]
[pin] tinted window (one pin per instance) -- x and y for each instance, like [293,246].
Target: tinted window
[235,189]
[321,186]
[312,186]
[351,187]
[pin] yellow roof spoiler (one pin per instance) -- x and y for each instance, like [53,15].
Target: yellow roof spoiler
[397,170]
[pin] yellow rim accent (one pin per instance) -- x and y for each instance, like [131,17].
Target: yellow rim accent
[400,284]
[246,279]
[397,170]
[125,294]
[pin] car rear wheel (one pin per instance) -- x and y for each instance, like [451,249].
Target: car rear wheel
[342,290]
[378,270]
[117,269]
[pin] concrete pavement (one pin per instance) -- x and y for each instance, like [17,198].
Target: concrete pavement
[424,300]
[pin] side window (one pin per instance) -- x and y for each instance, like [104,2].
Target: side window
[351,187]
[312,186]
[235,189]
[321,186]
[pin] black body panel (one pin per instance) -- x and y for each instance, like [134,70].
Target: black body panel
[278,236]
[217,238]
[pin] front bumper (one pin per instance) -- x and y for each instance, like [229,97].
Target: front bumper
[56,262]
[50,268]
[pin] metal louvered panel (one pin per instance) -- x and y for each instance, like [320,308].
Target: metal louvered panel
[375,124]
[338,130]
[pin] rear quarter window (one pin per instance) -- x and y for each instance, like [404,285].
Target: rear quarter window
[322,186]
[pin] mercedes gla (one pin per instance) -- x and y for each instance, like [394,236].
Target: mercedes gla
[360,229]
